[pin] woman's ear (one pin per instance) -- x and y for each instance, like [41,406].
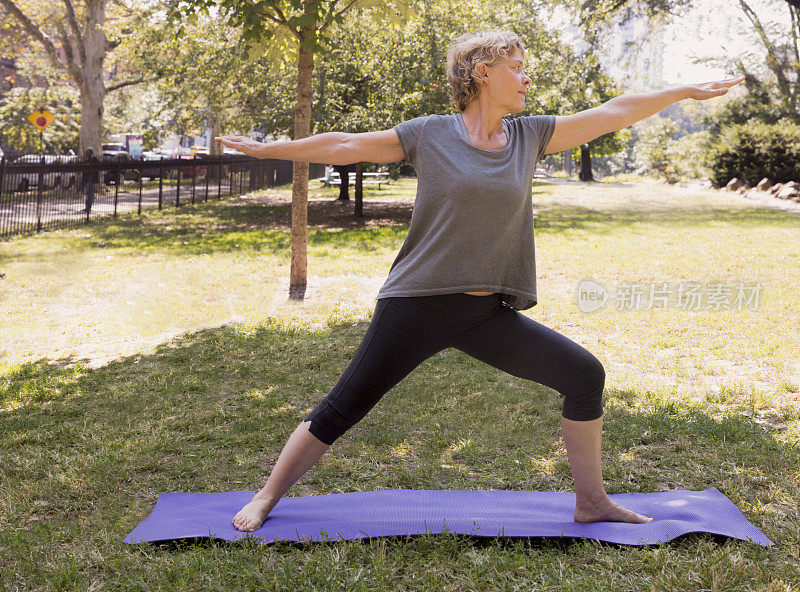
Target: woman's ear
[482,72]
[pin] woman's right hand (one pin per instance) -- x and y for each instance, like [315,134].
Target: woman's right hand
[241,143]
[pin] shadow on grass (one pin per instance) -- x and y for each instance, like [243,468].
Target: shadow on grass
[220,227]
[203,411]
[412,541]
[262,228]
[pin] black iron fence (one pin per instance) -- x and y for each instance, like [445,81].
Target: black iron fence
[53,192]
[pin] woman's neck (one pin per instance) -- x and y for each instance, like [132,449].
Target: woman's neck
[484,126]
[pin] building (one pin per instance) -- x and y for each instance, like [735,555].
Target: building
[633,53]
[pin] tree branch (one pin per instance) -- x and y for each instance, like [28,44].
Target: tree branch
[795,16]
[282,21]
[773,61]
[129,83]
[329,17]
[346,8]
[34,31]
[280,12]
[333,14]
[76,30]
[272,17]
[74,70]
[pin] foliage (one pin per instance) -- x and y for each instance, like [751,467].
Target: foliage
[375,76]
[756,150]
[761,102]
[651,150]
[687,157]
[142,109]
[17,134]
[772,74]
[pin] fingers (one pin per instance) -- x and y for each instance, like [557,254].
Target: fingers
[731,81]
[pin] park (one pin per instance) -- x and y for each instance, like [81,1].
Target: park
[273,317]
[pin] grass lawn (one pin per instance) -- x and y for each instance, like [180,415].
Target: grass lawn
[160,353]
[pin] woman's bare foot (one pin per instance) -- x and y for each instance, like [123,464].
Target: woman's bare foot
[252,516]
[608,511]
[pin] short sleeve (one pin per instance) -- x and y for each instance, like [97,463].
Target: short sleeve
[542,127]
[410,132]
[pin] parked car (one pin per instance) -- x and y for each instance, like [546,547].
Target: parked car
[113,147]
[69,178]
[153,172]
[112,176]
[199,166]
[23,181]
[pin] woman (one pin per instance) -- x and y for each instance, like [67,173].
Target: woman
[467,265]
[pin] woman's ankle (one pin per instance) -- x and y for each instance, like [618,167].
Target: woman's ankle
[265,497]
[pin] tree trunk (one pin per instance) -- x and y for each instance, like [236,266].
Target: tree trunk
[302,127]
[586,164]
[93,90]
[359,191]
[344,175]
[216,148]
[568,162]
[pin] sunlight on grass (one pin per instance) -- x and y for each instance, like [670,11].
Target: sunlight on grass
[160,353]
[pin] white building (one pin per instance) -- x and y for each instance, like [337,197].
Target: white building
[633,53]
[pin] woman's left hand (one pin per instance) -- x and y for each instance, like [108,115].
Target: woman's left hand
[707,90]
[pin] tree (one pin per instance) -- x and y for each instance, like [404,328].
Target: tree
[280,26]
[772,79]
[17,132]
[78,33]
[783,55]
[199,69]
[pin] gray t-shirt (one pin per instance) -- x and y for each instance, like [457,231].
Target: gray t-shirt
[472,223]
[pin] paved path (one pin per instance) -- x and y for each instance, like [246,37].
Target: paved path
[19,214]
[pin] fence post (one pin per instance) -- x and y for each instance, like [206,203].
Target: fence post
[160,181]
[208,170]
[194,174]
[5,222]
[116,185]
[2,173]
[219,177]
[39,188]
[178,187]
[141,177]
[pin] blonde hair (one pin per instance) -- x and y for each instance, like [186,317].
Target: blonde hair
[490,47]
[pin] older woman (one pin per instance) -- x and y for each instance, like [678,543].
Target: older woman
[467,265]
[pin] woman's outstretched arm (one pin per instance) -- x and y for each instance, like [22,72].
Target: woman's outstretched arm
[338,148]
[620,112]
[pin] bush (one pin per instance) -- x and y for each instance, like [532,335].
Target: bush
[755,150]
[686,157]
[651,149]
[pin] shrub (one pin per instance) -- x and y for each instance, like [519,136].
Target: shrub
[686,157]
[651,153]
[755,150]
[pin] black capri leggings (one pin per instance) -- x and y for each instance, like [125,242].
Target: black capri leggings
[405,331]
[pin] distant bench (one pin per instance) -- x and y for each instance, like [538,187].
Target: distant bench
[334,180]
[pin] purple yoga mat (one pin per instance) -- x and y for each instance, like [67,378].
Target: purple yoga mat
[483,513]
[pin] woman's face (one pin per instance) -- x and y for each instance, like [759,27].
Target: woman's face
[507,84]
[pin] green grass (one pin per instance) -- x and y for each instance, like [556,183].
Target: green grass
[160,353]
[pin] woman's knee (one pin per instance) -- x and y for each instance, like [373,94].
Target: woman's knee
[583,401]
[328,422]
